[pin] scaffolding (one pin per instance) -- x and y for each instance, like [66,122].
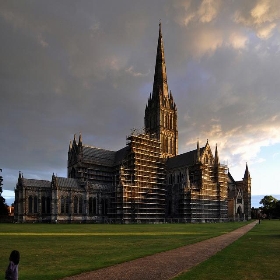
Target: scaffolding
[198,193]
[208,199]
[140,195]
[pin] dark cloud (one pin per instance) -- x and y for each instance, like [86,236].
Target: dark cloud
[69,67]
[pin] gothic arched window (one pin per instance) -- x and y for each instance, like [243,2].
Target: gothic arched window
[30,202]
[35,204]
[80,205]
[48,205]
[43,205]
[90,205]
[94,210]
[75,205]
[67,201]
[104,206]
[62,205]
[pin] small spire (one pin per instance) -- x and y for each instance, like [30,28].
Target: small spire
[70,145]
[54,177]
[54,182]
[247,173]
[80,139]
[217,161]
[197,151]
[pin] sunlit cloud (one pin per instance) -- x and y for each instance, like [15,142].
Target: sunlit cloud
[260,10]
[131,71]
[237,41]
[206,42]
[266,31]
[262,17]
[203,11]
[208,10]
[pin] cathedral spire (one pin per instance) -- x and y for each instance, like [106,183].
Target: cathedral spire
[160,78]
[161,112]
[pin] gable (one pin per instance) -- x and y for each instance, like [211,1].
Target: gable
[206,156]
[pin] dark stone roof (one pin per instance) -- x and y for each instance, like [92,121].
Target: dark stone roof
[104,157]
[230,178]
[98,156]
[36,183]
[121,154]
[61,182]
[67,182]
[186,159]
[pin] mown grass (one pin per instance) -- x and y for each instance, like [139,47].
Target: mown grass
[256,256]
[51,251]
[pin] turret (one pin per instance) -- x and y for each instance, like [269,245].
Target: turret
[247,173]
[80,144]
[54,181]
[216,159]
[80,140]
[197,152]
[74,141]
[70,147]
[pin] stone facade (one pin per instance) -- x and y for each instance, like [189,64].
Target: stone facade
[145,182]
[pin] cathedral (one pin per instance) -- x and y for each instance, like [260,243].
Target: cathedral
[144,182]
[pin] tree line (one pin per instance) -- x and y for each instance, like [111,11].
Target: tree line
[270,208]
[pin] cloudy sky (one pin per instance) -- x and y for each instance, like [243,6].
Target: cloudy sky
[87,66]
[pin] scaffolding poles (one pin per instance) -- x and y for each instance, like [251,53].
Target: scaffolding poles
[203,198]
[143,181]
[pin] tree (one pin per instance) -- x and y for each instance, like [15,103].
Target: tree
[3,205]
[270,206]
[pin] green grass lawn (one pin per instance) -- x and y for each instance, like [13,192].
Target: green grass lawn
[256,256]
[53,251]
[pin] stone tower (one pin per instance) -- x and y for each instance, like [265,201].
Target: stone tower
[161,110]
